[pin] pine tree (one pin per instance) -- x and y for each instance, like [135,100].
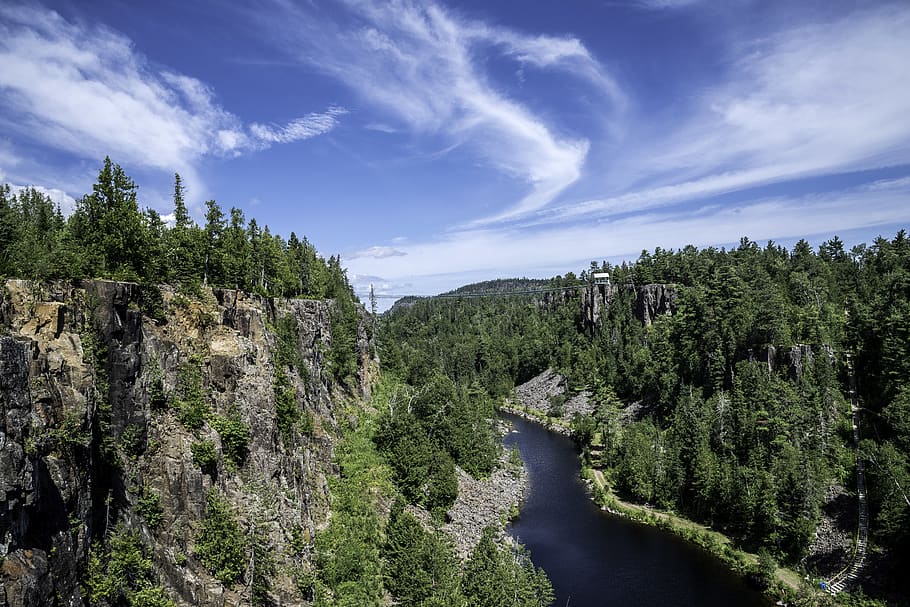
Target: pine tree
[181,215]
[214,254]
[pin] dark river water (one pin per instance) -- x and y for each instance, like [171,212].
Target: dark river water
[594,558]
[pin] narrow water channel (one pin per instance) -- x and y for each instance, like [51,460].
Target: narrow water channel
[596,559]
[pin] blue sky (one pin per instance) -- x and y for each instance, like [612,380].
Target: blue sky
[433,144]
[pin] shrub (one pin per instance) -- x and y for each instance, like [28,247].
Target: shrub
[192,402]
[149,508]
[151,303]
[235,438]
[219,543]
[286,410]
[204,455]
[132,440]
[122,573]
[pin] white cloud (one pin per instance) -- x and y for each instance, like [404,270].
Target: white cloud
[832,95]
[381,127]
[821,99]
[8,157]
[377,252]
[551,51]
[422,65]
[309,126]
[86,90]
[63,200]
[901,183]
[517,252]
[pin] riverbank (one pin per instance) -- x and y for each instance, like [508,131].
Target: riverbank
[597,559]
[540,417]
[788,586]
[484,502]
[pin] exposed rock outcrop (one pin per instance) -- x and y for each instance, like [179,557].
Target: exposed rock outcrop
[483,502]
[793,358]
[90,426]
[547,393]
[650,301]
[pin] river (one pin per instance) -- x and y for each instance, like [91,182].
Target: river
[597,559]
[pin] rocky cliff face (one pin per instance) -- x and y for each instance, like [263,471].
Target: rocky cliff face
[651,301]
[96,431]
[793,358]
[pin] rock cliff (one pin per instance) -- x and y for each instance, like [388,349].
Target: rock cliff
[650,301]
[109,395]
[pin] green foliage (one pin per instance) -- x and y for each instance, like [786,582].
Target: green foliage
[737,425]
[69,435]
[557,405]
[122,573]
[132,440]
[287,411]
[515,457]
[287,351]
[583,428]
[306,424]
[764,570]
[191,399]
[858,598]
[424,432]
[204,455]
[497,577]
[420,566]
[348,550]
[235,438]
[157,395]
[149,507]
[888,476]
[343,354]
[150,596]
[109,236]
[151,302]
[220,543]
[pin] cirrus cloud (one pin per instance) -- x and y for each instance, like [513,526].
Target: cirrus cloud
[422,65]
[86,90]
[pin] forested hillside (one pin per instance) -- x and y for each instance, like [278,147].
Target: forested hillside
[730,407]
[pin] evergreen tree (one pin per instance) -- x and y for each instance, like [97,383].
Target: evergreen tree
[214,253]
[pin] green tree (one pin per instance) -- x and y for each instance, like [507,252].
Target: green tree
[214,253]
[420,566]
[220,543]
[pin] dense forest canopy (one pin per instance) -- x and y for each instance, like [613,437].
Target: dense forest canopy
[110,235]
[743,420]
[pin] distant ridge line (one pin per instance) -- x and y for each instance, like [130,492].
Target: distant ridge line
[486,294]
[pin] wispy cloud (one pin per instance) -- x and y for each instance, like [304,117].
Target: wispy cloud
[86,90]
[423,65]
[541,51]
[657,5]
[561,248]
[901,183]
[310,125]
[377,252]
[820,99]
[381,127]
